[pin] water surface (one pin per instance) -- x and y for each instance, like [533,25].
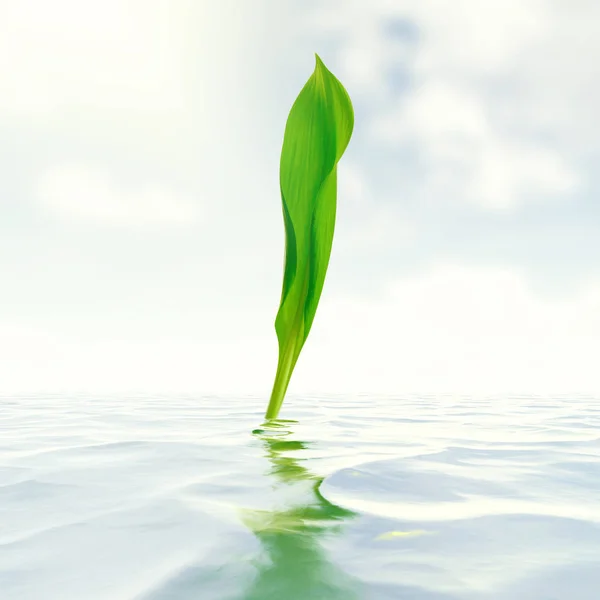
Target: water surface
[366,497]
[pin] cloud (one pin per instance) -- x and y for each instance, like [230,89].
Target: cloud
[465,154]
[457,329]
[39,361]
[40,357]
[366,53]
[141,58]
[498,102]
[364,224]
[68,54]
[81,193]
[451,329]
[352,186]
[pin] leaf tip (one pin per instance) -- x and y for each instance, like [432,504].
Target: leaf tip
[319,64]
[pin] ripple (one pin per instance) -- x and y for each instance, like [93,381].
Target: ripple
[459,483]
[375,498]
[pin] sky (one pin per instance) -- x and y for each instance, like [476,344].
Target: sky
[141,235]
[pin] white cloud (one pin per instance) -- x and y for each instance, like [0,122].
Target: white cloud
[457,329]
[139,57]
[509,172]
[68,54]
[378,228]
[81,193]
[364,222]
[352,188]
[465,153]
[450,329]
[477,37]
[366,54]
[33,360]
[501,103]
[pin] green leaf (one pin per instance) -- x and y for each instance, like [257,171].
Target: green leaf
[317,133]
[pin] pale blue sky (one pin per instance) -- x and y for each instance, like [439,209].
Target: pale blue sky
[141,237]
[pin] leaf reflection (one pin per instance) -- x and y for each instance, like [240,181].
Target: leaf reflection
[294,565]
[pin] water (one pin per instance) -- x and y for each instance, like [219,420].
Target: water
[375,498]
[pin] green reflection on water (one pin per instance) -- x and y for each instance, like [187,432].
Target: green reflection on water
[294,565]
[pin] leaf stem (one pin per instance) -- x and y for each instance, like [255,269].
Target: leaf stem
[285,367]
